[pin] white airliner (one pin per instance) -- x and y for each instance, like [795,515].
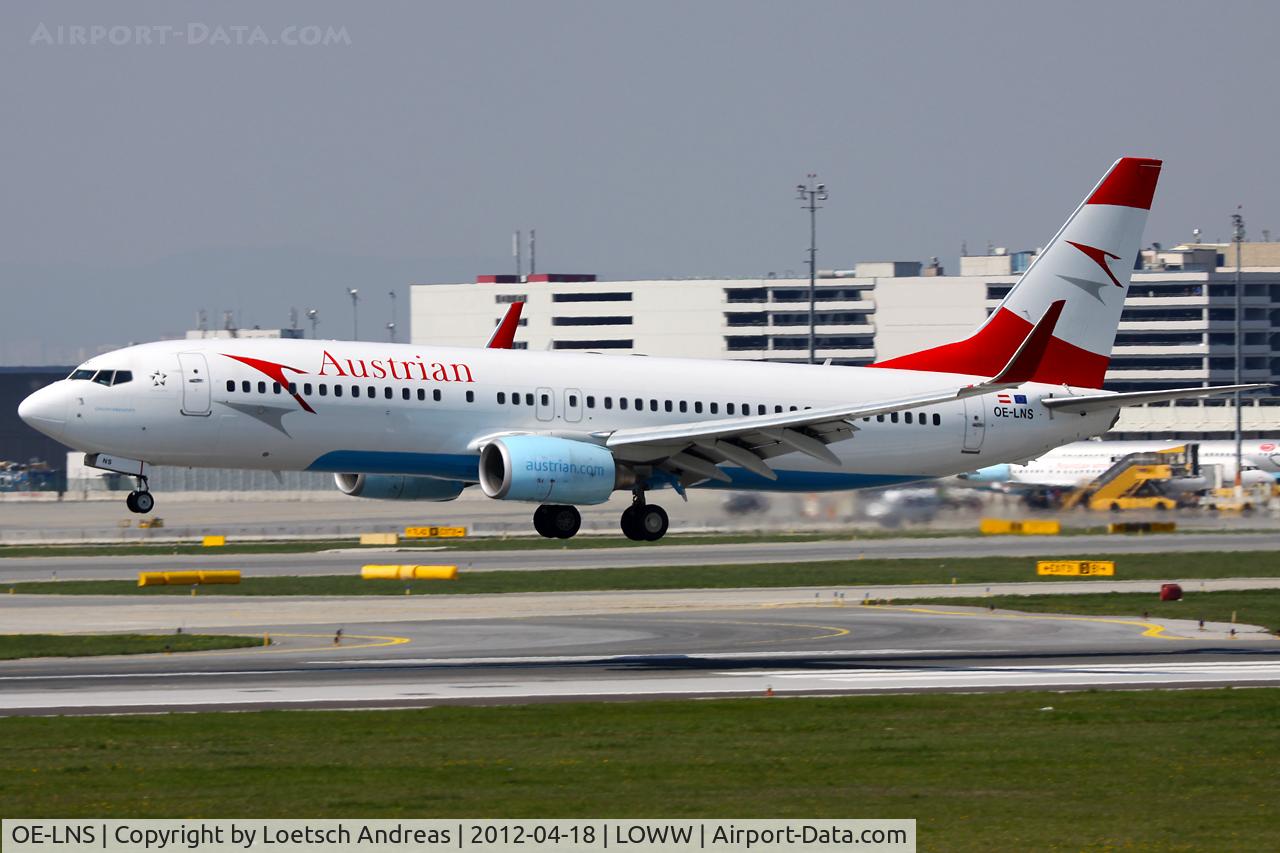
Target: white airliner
[1080,462]
[418,422]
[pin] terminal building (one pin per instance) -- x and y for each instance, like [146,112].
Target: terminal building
[1177,330]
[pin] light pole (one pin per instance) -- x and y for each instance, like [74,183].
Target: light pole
[391,327]
[811,193]
[314,316]
[1237,223]
[354,293]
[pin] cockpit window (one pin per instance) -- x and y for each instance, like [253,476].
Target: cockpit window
[81,373]
[122,376]
[104,377]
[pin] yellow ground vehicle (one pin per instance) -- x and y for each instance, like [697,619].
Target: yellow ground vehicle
[1134,480]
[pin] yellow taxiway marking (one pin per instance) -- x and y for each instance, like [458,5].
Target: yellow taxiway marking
[1150,629]
[376,641]
[832,631]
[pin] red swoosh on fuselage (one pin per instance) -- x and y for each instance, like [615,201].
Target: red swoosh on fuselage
[275,372]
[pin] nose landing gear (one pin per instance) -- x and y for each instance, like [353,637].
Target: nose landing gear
[556,521]
[644,522]
[140,499]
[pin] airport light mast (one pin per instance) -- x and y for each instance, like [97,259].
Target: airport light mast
[354,293]
[811,193]
[1237,223]
[391,327]
[314,316]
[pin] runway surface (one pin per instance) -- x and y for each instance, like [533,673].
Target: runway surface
[604,646]
[17,569]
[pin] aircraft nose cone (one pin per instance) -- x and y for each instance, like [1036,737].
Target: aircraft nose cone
[45,410]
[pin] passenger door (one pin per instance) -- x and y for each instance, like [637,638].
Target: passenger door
[196,387]
[975,424]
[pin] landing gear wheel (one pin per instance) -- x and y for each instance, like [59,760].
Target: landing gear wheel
[556,521]
[565,521]
[653,522]
[140,502]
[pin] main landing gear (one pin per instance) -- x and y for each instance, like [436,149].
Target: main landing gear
[557,521]
[644,522]
[140,499]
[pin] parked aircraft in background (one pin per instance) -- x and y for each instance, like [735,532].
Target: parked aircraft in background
[1080,462]
[419,422]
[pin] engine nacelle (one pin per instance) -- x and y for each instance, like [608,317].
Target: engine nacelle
[547,470]
[398,487]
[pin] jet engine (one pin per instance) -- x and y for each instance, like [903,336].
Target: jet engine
[546,469]
[398,487]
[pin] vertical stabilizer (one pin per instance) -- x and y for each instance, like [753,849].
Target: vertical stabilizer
[1087,266]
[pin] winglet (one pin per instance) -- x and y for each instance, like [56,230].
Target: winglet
[504,336]
[1026,358]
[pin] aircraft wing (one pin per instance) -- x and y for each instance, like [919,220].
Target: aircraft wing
[693,450]
[1098,402]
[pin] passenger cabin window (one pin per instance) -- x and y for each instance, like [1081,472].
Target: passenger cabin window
[324,389]
[471,396]
[608,402]
[262,387]
[502,398]
[543,398]
[715,408]
[337,390]
[293,387]
[515,398]
[435,394]
[244,387]
[573,399]
[728,409]
[622,403]
[667,405]
[528,399]
[591,402]
[937,420]
[306,388]
[387,392]
[697,407]
[893,416]
[275,388]
[422,393]
[906,416]
[761,409]
[653,405]
[231,385]
[404,393]
[684,406]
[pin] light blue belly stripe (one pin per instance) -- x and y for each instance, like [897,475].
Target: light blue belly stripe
[462,466]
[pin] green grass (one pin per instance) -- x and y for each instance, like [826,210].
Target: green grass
[494,543]
[830,574]
[14,646]
[1178,770]
[1250,607]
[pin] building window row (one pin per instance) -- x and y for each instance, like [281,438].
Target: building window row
[591,321]
[591,297]
[622,343]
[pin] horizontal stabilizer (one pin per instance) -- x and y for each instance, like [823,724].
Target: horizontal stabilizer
[1099,402]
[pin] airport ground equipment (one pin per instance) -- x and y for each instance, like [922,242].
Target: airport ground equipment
[1031,527]
[189,578]
[409,573]
[1134,480]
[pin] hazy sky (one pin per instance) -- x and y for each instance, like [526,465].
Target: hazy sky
[656,139]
